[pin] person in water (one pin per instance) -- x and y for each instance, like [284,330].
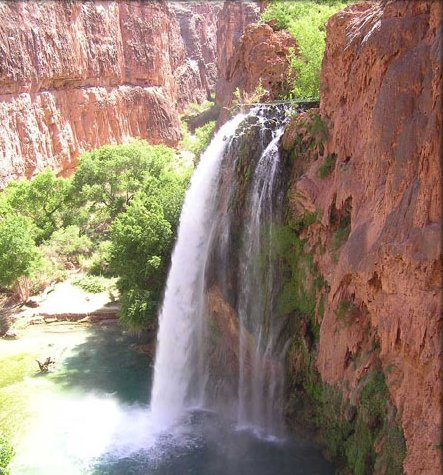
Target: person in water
[44,367]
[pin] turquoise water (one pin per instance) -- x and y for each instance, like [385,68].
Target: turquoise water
[91,416]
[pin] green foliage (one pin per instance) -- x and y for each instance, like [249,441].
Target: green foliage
[302,279]
[350,432]
[197,143]
[45,270]
[139,308]
[196,109]
[67,245]
[43,199]
[203,135]
[94,284]
[306,220]
[6,454]
[137,189]
[18,252]
[317,128]
[327,167]
[142,239]
[99,262]
[339,237]
[109,177]
[305,20]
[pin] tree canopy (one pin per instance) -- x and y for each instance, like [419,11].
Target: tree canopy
[305,20]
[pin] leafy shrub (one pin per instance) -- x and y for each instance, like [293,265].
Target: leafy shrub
[317,128]
[305,20]
[204,135]
[43,199]
[6,454]
[18,252]
[195,108]
[94,284]
[197,143]
[139,308]
[46,270]
[328,165]
[66,245]
[99,262]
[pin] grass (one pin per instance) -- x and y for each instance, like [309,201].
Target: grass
[6,454]
[94,284]
[14,399]
[14,369]
[327,167]
[339,237]
[344,310]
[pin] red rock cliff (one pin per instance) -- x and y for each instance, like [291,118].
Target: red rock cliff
[261,59]
[77,74]
[198,26]
[381,100]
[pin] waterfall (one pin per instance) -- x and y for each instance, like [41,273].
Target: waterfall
[179,372]
[226,356]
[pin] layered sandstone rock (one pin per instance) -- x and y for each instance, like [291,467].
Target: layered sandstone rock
[234,18]
[260,61]
[75,75]
[198,22]
[381,101]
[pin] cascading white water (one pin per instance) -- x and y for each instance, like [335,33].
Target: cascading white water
[260,372]
[179,373]
[219,246]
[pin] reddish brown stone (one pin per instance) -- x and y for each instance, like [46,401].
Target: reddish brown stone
[261,58]
[76,75]
[381,99]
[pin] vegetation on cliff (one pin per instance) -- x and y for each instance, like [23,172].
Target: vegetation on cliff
[305,20]
[357,424]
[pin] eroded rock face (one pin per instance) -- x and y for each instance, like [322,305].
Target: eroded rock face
[198,22]
[261,60]
[234,18]
[381,102]
[76,75]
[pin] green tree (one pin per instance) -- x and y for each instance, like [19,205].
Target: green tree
[142,239]
[18,252]
[110,176]
[198,142]
[43,200]
[305,20]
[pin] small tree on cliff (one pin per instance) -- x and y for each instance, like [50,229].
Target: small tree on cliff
[305,20]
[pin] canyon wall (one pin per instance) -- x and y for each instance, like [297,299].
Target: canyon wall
[362,290]
[199,21]
[78,74]
[259,67]
[367,165]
